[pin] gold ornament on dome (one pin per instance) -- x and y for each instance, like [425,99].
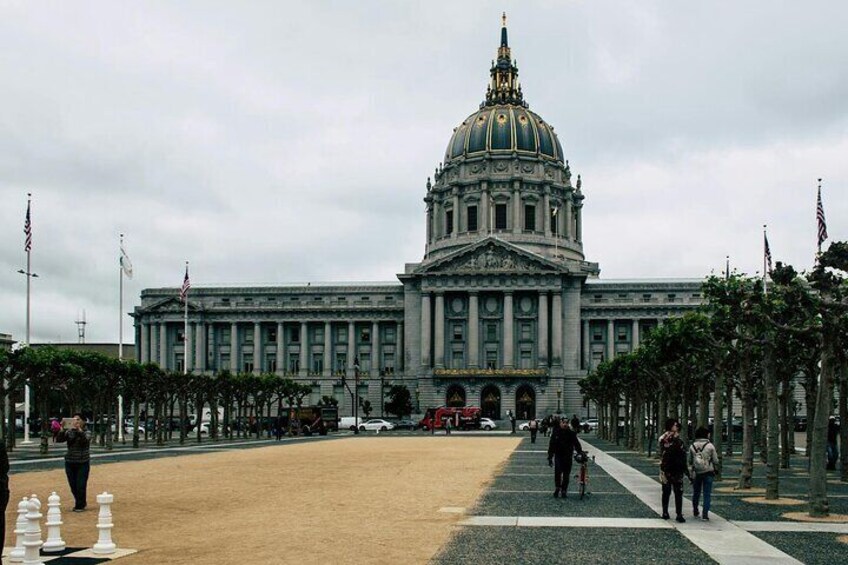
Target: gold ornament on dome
[501,119]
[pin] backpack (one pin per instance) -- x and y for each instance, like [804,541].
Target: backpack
[55,426]
[700,463]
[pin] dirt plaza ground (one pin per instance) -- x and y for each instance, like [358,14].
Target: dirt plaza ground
[347,500]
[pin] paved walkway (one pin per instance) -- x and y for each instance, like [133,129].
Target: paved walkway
[517,520]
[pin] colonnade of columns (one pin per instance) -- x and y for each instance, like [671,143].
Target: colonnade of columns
[154,345]
[610,337]
[549,328]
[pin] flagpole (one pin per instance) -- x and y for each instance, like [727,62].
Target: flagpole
[727,268]
[185,331]
[765,260]
[120,423]
[29,280]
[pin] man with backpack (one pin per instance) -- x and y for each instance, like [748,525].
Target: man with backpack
[702,460]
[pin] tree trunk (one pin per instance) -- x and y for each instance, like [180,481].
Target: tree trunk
[718,417]
[704,405]
[773,455]
[819,505]
[109,433]
[747,470]
[762,425]
[199,411]
[786,427]
[843,420]
[135,423]
[157,422]
[810,394]
[43,446]
[729,398]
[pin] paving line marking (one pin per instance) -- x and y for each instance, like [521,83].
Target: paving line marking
[732,546]
[793,527]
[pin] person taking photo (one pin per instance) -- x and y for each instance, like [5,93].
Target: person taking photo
[77,459]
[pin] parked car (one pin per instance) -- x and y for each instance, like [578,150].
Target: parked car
[376,425]
[589,425]
[349,423]
[487,424]
[525,426]
[406,425]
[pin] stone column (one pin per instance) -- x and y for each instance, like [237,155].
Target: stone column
[456,217]
[586,337]
[351,345]
[569,231]
[375,349]
[484,211]
[634,337]
[188,361]
[234,348]
[202,344]
[196,364]
[509,338]
[439,332]
[257,348]
[328,349]
[546,213]
[400,362]
[426,339]
[571,325]
[610,340]
[163,345]
[144,343]
[304,349]
[473,330]
[516,208]
[556,329]
[281,353]
[543,328]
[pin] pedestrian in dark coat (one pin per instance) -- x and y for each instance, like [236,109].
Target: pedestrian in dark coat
[561,450]
[672,468]
[77,459]
[511,419]
[575,424]
[533,426]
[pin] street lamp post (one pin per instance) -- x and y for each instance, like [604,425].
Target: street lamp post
[559,397]
[356,395]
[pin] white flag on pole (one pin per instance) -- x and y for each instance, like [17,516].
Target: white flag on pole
[126,264]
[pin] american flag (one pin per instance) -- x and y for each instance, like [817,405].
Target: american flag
[767,251]
[28,230]
[820,219]
[186,286]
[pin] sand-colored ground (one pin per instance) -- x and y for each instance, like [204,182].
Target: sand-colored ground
[352,500]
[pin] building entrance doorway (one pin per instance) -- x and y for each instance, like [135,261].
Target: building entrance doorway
[525,402]
[455,396]
[490,402]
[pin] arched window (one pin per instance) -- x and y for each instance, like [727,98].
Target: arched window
[525,402]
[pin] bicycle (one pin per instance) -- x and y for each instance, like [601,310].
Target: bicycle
[582,475]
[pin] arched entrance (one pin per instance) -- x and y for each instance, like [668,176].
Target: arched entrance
[455,396]
[490,402]
[525,402]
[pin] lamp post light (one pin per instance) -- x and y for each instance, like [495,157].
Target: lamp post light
[559,397]
[417,400]
[356,395]
[29,275]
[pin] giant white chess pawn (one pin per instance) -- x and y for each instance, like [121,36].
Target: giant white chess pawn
[54,542]
[17,553]
[32,537]
[104,545]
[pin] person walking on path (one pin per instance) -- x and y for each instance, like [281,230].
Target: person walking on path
[575,423]
[77,459]
[4,491]
[511,417]
[533,426]
[672,468]
[561,450]
[448,426]
[703,460]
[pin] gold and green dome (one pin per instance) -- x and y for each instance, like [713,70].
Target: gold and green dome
[504,124]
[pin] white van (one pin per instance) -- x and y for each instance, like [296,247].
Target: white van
[349,423]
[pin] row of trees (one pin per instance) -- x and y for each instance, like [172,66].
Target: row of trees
[751,344]
[64,381]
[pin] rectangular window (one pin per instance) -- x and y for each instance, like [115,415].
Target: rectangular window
[598,298]
[526,360]
[317,363]
[341,335]
[271,361]
[294,362]
[389,363]
[180,364]
[180,336]
[457,332]
[500,216]
[248,366]
[318,334]
[526,332]
[672,297]
[457,360]
[295,335]
[646,298]
[491,359]
[225,336]
[389,335]
[341,363]
[272,335]
[365,363]
[365,335]
[248,337]
[471,211]
[225,361]
[597,335]
[622,334]
[448,222]
[491,332]
[529,217]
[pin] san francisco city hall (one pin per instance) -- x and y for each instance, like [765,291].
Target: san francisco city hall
[503,311]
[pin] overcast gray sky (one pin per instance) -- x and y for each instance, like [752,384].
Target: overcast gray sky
[272,142]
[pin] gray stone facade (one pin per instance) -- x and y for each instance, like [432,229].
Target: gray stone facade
[503,311]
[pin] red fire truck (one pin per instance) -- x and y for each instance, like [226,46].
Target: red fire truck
[462,417]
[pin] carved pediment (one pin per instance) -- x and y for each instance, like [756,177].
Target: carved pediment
[491,256]
[171,305]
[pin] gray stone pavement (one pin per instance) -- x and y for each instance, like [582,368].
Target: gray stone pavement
[517,520]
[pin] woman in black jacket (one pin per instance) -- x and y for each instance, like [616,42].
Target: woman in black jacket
[561,450]
[672,468]
[77,459]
